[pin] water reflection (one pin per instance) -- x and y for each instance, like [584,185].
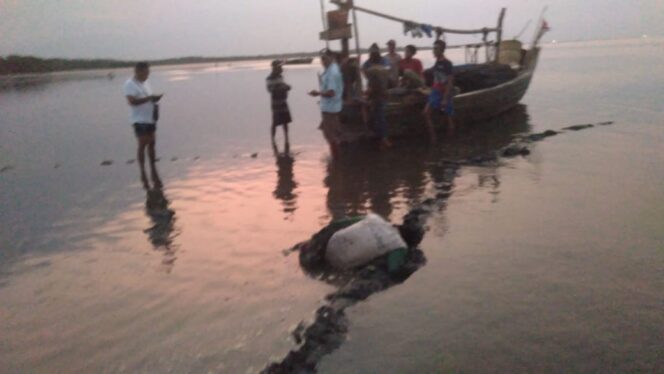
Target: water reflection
[368,180]
[162,232]
[286,184]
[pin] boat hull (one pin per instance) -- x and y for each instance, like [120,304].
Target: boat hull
[469,107]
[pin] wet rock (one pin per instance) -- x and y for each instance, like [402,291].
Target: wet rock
[254,155]
[482,159]
[107,162]
[514,150]
[539,136]
[443,195]
[578,127]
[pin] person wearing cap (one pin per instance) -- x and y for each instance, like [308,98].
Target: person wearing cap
[393,58]
[278,90]
[331,103]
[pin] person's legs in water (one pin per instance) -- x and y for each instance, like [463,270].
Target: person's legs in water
[153,159]
[329,126]
[286,142]
[273,132]
[380,124]
[428,122]
[142,141]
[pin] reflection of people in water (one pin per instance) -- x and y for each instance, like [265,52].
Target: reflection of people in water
[378,182]
[161,232]
[285,183]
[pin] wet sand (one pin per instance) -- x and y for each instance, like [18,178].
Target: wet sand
[545,262]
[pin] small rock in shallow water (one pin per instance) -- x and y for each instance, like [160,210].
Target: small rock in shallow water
[578,127]
[539,136]
[107,162]
[254,155]
[515,150]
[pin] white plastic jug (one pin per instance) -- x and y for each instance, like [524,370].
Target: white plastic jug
[362,242]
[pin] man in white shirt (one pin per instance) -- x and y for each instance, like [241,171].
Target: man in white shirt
[143,116]
[331,104]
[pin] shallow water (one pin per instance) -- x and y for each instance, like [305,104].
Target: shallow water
[547,263]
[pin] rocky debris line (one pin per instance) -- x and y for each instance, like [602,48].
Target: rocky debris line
[519,145]
[330,326]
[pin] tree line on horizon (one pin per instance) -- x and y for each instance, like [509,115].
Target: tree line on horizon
[17,64]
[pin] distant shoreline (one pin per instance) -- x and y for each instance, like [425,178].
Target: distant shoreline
[16,65]
[19,65]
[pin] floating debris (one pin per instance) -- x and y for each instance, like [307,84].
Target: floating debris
[605,123]
[130,161]
[107,162]
[174,158]
[197,158]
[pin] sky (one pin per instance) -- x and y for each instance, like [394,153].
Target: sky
[152,29]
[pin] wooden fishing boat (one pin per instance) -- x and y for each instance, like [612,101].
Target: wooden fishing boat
[476,103]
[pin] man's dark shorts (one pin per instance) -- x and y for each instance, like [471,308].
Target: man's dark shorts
[142,129]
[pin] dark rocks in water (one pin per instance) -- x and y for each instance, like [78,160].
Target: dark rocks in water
[514,150]
[578,127]
[539,136]
[107,162]
[482,159]
[443,195]
[6,168]
[254,155]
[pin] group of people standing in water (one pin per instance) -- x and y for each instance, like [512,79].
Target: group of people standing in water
[338,83]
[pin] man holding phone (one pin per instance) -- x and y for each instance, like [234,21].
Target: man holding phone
[144,114]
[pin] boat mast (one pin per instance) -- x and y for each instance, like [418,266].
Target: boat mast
[499,33]
[322,15]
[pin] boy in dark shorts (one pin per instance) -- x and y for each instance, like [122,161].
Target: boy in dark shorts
[278,90]
[440,99]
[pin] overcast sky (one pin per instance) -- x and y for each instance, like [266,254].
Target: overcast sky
[150,29]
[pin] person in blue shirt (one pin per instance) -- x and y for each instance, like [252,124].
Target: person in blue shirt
[330,93]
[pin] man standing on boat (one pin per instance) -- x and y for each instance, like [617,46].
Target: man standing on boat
[331,91]
[440,98]
[144,115]
[393,58]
